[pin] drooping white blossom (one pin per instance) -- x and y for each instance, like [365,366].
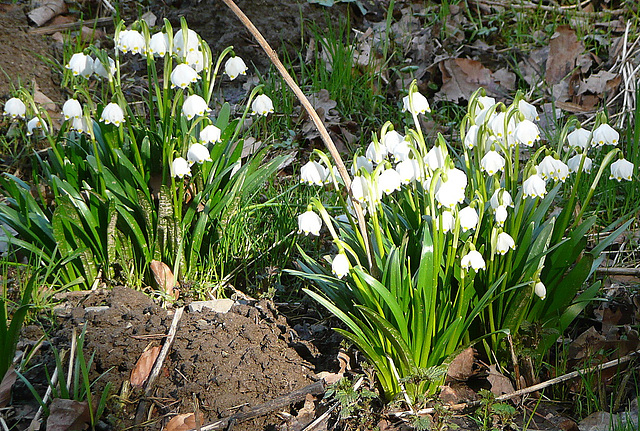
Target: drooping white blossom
[504,243]
[501,215]
[340,265]
[492,163]
[100,69]
[540,290]
[574,163]
[534,187]
[131,41]
[361,162]
[468,217]
[376,152]
[309,223]
[501,197]
[313,173]
[36,123]
[194,105]
[80,65]
[185,43]
[159,44]
[180,168]
[579,138]
[112,114]
[198,153]
[262,105]
[416,104]
[605,135]
[15,108]
[389,181]
[474,260]
[71,109]
[622,169]
[528,110]
[235,66]
[210,134]
[527,133]
[183,75]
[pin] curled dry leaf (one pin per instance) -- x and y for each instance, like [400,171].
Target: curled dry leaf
[163,276]
[184,422]
[143,367]
[5,386]
[461,368]
[68,415]
[500,384]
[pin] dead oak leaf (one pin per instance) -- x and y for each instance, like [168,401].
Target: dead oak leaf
[184,422]
[500,384]
[599,83]
[462,76]
[564,49]
[461,367]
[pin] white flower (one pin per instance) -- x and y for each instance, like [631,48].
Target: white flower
[481,115]
[449,193]
[447,220]
[471,138]
[579,138]
[198,153]
[35,123]
[562,171]
[131,41]
[101,70]
[540,290]
[235,66]
[401,151]
[389,181]
[547,168]
[313,173]
[574,163]
[391,139]
[527,133]
[504,243]
[533,187]
[497,125]
[528,110]
[434,158]
[262,105]
[309,223]
[159,44]
[457,177]
[194,105]
[605,134]
[492,163]
[182,46]
[483,103]
[360,188]
[361,162]
[468,217]
[71,109]
[80,65]
[501,215]
[180,168]
[195,60]
[183,75]
[210,134]
[112,114]
[409,170]
[80,125]
[15,108]
[340,265]
[622,169]
[474,260]
[417,105]
[501,197]
[376,152]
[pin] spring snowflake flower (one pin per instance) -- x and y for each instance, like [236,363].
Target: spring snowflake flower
[579,138]
[501,215]
[194,105]
[131,41]
[605,135]
[235,66]
[340,265]
[181,46]
[71,109]
[210,134]
[195,60]
[198,153]
[389,181]
[262,105]
[533,187]
[361,162]
[526,133]
[449,194]
[80,65]
[471,138]
[391,140]
[574,163]
[622,169]
[313,173]
[159,44]
[540,290]
[468,217]
[112,114]
[80,125]
[419,104]
[35,123]
[100,69]
[504,243]
[497,126]
[376,152]
[547,168]
[474,260]
[434,158]
[15,108]
[183,75]
[360,188]
[528,110]
[562,171]
[408,170]
[180,168]
[492,163]
[401,151]
[501,197]
[447,220]
[309,223]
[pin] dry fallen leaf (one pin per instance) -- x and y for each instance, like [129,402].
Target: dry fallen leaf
[462,76]
[5,386]
[586,344]
[500,384]
[461,368]
[599,83]
[163,276]
[564,49]
[184,422]
[143,367]
[68,415]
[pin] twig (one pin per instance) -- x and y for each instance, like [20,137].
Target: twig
[534,388]
[324,134]
[618,271]
[155,372]
[72,25]
[558,9]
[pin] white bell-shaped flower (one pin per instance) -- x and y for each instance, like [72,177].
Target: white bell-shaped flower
[80,125]
[562,171]
[102,71]
[504,243]
[401,151]
[540,290]
[389,181]
[183,75]
[418,104]
[579,138]
[449,194]
[528,110]
[15,108]
[360,188]
[574,163]
[408,170]
[71,109]
[194,105]
[434,158]
[447,221]
[309,223]
[159,44]
[547,168]
[112,114]
[183,44]
[468,217]
[180,168]
[492,163]
[35,123]
[195,60]
[313,173]
[235,66]
[605,135]
[198,153]
[376,152]
[497,125]
[534,187]
[501,197]
[391,139]
[474,260]
[361,162]
[80,65]
[457,177]
[210,134]
[622,169]
[471,138]
[131,41]
[526,133]
[262,105]
[501,215]
[340,265]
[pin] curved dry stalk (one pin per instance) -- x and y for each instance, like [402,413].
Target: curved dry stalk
[324,134]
